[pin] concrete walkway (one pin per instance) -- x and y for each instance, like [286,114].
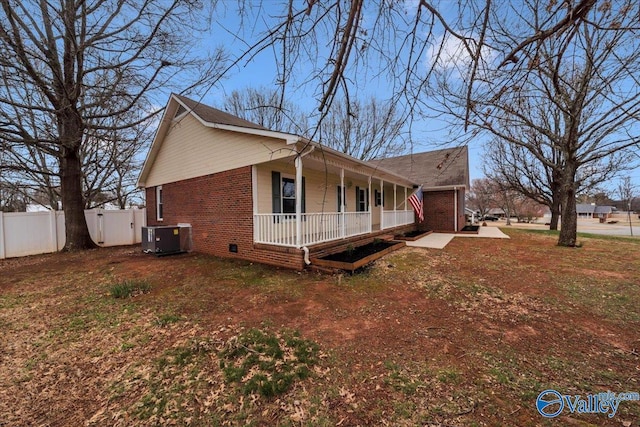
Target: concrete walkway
[440,240]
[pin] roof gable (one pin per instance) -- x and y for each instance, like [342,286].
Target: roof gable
[213,115]
[194,139]
[433,169]
[585,208]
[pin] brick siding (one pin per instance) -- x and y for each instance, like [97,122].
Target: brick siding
[219,208]
[439,214]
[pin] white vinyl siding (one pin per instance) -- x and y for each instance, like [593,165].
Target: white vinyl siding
[191,150]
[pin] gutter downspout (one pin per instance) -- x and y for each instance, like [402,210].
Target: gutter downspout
[455,209]
[298,163]
[306,255]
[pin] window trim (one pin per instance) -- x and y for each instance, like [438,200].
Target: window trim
[159,204]
[362,199]
[282,197]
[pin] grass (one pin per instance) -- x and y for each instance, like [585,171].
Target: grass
[129,289]
[465,336]
[267,363]
[167,319]
[556,233]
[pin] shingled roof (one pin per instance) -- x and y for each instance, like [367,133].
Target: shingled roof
[441,168]
[213,115]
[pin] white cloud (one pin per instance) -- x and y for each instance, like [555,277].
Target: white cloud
[449,54]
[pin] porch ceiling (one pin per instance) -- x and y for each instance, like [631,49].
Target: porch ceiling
[333,165]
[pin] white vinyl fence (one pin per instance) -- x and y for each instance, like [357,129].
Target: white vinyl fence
[31,233]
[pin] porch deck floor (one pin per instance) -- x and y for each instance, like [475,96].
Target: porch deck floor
[440,240]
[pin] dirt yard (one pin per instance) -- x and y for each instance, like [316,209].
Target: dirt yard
[465,336]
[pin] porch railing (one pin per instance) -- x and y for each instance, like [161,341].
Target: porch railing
[280,229]
[397,218]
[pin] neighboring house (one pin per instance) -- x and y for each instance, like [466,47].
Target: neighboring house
[36,207]
[265,196]
[497,212]
[471,215]
[586,210]
[603,212]
[444,176]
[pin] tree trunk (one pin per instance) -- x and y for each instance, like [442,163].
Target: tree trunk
[555,212]
[569,229]
[76,230]
[71,132]
[556,200]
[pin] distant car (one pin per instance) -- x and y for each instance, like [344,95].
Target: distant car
[490,218]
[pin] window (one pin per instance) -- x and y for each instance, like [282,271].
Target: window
[342,195]
[159,213]
[362,199]
[283,193]
[377,196]
[288,195]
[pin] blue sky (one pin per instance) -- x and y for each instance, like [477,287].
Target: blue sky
[429,134]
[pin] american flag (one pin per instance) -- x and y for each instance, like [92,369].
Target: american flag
[416,201]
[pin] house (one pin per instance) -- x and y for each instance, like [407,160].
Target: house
[591,210]
[444,176]
[603,212]
[265,196]
[585,210]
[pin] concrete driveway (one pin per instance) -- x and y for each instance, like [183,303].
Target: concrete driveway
[440,240]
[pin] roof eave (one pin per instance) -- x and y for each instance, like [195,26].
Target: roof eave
[380,171]
[165,122]
[445,187]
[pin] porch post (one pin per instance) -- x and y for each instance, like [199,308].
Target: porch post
[381,204]
[298,164]
[404,218]
[342,203]
[369,206]
[395,206]
[3,252]
[254,197]
[405,198]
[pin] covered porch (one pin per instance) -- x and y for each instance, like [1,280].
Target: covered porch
[321,197]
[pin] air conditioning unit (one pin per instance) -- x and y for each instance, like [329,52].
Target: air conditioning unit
[163,240]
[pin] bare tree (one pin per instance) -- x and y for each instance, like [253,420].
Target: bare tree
[75,70]
[576,92]
[369,130]
[111,161]
[526,209]
[521,170]
[364,130]
[12,198]
[481,195]
[627,192]
[333,49]
[264,107]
